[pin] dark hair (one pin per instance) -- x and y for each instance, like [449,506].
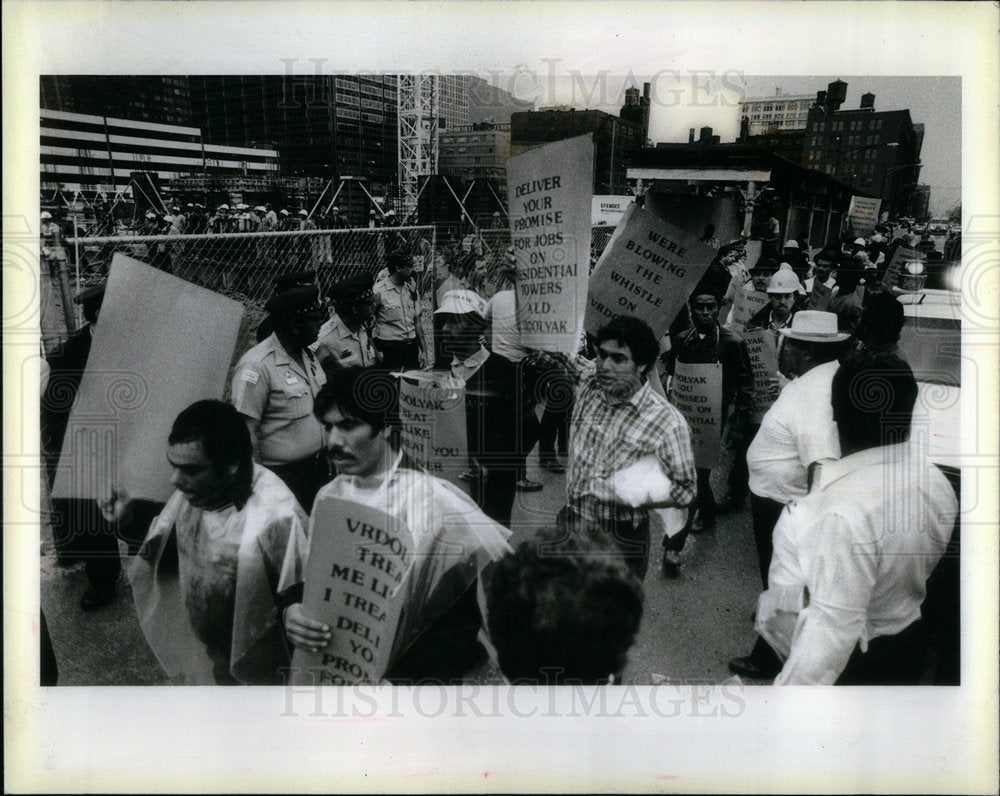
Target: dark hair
[224,438]
[368,394]
[562,611]
[882,319]
[92,308]
[872,397]
[634,333]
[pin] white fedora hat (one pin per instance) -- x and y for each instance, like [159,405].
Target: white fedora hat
[815,327]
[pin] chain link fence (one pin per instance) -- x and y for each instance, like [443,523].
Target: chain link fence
[244,266]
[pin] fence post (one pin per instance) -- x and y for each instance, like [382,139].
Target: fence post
[63,276]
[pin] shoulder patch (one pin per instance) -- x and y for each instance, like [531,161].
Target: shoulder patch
[249,376]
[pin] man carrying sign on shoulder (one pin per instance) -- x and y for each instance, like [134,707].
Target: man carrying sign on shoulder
[436,640]
[708,342]
[205,578]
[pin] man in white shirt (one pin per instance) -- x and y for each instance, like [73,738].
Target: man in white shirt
[796,433]
[864,541]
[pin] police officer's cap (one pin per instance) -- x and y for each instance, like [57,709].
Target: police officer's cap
[399,258]
[297,300]
[93,293]
[283,282]
[351,289]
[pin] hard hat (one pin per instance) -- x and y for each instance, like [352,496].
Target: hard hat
[783,280]
[46,214]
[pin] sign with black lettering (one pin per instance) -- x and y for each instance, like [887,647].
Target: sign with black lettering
[432,418]
[647,270]
[763,351]
[359,559]
[863,214]
[746,303]
[900,258]
[696,390]
[549,190]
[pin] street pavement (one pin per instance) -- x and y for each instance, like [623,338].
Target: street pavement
[691,626]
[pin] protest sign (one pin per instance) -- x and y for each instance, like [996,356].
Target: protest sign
[433,430]
[899,259]
[609,209]
[648,270]
[359,558]
[863,214]
[549,189]
[746,303]
[763,352]
[160,345]
[696,390]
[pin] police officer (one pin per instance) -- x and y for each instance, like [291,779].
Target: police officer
[273,388]
[345,339]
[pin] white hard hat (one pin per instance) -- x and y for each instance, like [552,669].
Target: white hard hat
[303,213]
[335,209]
[783,280]
[860,242]
[223,207]
[282,212]
[46,214]
[791,243]
[462,302]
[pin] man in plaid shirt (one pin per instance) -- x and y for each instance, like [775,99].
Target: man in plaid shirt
[617,420]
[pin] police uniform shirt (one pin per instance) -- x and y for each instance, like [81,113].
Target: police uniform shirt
[272,388]
[348,349]
[396,311]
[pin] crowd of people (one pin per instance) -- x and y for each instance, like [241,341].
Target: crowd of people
[849,518]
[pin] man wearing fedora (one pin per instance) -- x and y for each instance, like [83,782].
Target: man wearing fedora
[860,547]
[273,387]
[796,434]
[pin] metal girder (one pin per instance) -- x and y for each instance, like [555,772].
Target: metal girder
[417,126]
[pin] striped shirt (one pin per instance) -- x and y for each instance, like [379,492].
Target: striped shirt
[605,438]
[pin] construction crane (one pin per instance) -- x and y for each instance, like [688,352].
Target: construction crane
[418,134]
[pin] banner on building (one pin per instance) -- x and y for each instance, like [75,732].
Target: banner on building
[763,351]
[433,427]
[900,258]
[863,214]
[160,345]
[608,209]
[359,558]
[549,190]
[747,302]
[696,390]
[648,270]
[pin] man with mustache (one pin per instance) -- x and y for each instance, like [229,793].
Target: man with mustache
[454,542]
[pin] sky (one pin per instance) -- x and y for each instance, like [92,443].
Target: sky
[684,100]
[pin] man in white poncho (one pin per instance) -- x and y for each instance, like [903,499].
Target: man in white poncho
[205,579]
[437,636]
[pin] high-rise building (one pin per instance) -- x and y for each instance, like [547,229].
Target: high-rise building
[771,114]
[164,99]
[82,152]
[636,109]
[877,152]
[613,137]
[475,151]
[328,127]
